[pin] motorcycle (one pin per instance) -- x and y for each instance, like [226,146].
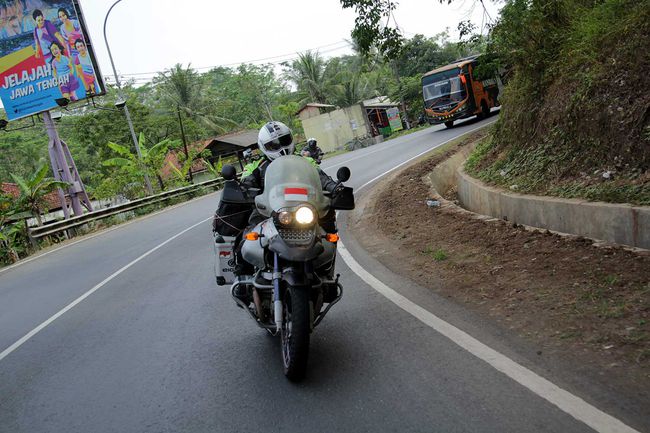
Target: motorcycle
[316,155]
[291,283]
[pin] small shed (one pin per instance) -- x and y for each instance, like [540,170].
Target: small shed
[375,110]
[233,143]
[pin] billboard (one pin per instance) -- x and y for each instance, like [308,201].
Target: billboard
[394,119]
[45,54]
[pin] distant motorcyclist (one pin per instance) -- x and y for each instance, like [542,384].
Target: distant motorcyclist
[311,150]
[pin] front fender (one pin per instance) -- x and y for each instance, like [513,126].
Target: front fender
[295,278]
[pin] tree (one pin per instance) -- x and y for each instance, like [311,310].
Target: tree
[130,169]
[183,89]
[307,72]
[33,191]
[8,231]
[373,29]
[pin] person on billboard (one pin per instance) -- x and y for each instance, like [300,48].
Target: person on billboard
[85,68]
[45,33]
[62,67]
[70,30]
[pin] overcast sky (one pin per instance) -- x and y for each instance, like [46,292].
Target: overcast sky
[152,35]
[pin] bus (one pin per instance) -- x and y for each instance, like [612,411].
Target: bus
[452,92]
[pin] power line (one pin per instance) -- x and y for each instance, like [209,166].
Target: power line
[140,78]
[343,41]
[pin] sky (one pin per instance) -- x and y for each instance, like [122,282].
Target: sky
[146,36]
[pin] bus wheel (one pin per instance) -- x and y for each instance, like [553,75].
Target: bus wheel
[449,123]
[485,110]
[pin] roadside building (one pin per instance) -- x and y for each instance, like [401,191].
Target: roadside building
[335,127]
[231,145]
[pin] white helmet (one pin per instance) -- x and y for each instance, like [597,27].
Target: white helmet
[275,140]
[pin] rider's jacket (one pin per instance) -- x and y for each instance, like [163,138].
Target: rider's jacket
[253,175]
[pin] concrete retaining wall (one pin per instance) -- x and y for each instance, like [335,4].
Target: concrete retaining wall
[618,223]
[443,176]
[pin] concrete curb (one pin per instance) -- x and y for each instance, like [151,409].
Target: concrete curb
[616,223]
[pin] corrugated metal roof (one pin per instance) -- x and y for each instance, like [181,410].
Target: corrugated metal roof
[379,101]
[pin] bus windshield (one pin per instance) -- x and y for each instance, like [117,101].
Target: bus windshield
[443,88]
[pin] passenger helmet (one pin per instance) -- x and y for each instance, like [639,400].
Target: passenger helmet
[311,142]
[275,140]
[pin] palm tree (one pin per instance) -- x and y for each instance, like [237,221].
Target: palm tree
[307,72]
[33,191]
[182,88]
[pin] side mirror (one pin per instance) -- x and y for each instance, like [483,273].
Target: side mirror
[228,172]
[343,174]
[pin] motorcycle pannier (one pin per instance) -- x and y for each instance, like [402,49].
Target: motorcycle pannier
[231,218]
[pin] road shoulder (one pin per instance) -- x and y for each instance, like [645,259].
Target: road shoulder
[437,259]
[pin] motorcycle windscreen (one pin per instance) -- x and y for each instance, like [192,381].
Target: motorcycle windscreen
[289,181]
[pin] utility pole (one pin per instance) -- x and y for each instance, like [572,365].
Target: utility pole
[121,96]
[187,155]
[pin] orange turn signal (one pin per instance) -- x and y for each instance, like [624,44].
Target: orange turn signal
[332,237]
[252,236]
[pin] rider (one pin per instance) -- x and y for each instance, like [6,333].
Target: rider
[312,150]
[275,140]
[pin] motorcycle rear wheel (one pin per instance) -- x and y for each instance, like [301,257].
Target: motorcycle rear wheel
[295,333]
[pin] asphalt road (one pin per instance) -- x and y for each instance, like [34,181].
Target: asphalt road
[160,348]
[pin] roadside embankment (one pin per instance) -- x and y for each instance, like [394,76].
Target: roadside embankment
[583,304]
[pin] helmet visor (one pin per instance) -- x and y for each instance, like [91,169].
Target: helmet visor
[279,142]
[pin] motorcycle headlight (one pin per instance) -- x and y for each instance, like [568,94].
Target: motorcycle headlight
[304,215]
[285,218]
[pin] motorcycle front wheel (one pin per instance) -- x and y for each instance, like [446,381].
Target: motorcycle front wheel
[295,333]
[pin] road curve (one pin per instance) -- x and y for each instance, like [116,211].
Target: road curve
[158,347]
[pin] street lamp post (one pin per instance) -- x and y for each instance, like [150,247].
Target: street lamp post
[121,95]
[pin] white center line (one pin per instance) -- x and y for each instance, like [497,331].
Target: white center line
[71,305]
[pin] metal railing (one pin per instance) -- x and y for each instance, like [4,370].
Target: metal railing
[78,221]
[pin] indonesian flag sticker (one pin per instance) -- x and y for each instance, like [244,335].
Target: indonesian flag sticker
[296,194]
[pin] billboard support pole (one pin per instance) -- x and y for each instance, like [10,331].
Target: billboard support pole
[65,170]
[121,95]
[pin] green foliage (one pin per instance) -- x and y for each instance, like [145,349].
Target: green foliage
[33,190]
[573,105]
[371,27]
[128,170]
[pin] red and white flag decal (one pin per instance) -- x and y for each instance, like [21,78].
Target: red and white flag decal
[296,194]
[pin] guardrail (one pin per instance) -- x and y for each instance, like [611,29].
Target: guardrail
[78,221]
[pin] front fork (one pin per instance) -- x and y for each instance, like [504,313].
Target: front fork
[277,301]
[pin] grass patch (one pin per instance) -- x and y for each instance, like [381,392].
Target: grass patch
[437,254]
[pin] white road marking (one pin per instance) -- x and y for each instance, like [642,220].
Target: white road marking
[100,233]
[422,153]
[71,305]
[564,400]
[408,138]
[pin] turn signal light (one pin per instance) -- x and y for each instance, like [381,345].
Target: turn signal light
[252,236]
[332,237]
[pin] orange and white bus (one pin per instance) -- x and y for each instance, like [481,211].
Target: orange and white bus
[452,92]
